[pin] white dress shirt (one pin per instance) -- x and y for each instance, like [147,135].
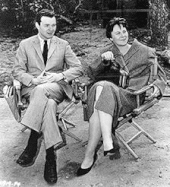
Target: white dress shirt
[42,42]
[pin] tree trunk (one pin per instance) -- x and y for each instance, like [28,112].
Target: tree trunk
[158,22]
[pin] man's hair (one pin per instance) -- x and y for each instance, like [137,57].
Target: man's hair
[112,23]
[44,12]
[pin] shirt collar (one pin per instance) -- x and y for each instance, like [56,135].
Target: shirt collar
[42,42]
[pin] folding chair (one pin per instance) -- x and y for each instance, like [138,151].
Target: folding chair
[130,118]
[65,125]
[151,98]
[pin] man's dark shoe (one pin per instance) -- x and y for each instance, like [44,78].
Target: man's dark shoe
[29,155]
[50,171]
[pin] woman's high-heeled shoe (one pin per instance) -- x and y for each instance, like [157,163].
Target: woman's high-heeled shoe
[81,171]
[111,151]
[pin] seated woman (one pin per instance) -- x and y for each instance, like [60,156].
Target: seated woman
[106,100]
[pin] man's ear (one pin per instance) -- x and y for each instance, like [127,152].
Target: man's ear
[37,25]
[111,39]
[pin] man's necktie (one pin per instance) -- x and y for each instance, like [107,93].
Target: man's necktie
[45,51]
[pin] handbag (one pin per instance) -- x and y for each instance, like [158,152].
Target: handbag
[110,72]
[11,98]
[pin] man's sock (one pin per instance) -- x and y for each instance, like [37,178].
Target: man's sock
[32,141]
[50,153]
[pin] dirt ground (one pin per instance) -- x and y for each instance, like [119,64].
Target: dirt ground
[151,170]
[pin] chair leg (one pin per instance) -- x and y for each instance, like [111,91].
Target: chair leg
[64,121]
[71,135]
[126,145]
[66,131]
[24,129]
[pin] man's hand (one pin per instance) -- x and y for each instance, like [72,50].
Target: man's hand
[107,56]
[39,80]
[54,77]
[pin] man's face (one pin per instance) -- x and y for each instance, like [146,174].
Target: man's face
[119,35]
[47,27]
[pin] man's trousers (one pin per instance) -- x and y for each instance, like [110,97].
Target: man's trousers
[41,112]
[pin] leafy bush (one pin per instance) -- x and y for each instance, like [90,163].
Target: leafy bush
[20,14]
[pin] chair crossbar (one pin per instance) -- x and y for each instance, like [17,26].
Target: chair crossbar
[62,113]
[134,137]
[138,134]
[143,131]
[121,139]
[24,129]
[64,121]
[68,133]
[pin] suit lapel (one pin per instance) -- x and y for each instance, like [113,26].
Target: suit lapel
[36,45]
[52,47]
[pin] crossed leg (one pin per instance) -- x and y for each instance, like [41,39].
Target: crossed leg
[100,124]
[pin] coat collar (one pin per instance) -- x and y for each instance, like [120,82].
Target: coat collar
[133,49]
[123,60]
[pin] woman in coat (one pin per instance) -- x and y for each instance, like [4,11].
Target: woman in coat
[107,101]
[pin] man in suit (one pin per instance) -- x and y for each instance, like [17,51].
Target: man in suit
[39,66]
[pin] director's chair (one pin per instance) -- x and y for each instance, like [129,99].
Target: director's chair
[152,96]
[63,108]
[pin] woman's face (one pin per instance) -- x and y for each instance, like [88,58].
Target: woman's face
[119,35]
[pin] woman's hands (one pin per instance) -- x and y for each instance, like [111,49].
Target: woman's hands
[107,56]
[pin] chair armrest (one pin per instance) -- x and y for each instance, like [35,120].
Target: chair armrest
[84,90]
[144,107]
[155,93]
[123,78]
[144,89]
[17,86]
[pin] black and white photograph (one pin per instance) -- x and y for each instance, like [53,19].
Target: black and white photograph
[85,93]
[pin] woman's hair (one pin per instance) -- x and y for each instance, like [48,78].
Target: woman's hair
[44,12]
[112,23]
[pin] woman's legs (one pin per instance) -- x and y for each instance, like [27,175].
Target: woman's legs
[100,123]
[106,129]
[94,135]
[105,121]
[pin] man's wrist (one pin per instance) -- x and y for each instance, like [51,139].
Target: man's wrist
[33,81]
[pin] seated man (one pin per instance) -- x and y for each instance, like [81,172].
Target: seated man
[107,101]
[39,66]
